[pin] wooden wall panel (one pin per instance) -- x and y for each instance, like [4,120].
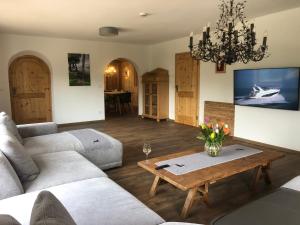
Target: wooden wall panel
[128,81]
[220,111]
[112,81]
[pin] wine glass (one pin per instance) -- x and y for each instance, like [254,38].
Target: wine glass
[147,150]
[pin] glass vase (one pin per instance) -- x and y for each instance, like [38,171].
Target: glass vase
[213,149]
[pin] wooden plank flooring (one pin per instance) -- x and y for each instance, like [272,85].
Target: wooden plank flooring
[168,137]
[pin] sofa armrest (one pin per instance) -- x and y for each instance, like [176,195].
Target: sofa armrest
[37,129]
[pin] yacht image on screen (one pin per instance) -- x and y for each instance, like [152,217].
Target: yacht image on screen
[259,92]
[276,88]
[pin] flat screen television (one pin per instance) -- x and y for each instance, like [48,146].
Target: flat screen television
[276,88]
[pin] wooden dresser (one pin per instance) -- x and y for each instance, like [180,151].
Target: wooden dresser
[156,94]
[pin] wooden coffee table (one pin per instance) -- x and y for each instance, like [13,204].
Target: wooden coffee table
[199,180]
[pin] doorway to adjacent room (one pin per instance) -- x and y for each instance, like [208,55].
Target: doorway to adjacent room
[121,88]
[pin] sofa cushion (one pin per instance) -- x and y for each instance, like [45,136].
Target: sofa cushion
[101,149]
[48,210]
[8,220]
[293,184]
[277,208]
[60,168]
[90,202]
[179,223]
[10,125]
[10,184]
[58,142]
[19,158]
[105,154]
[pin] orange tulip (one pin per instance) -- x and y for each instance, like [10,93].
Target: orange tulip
[226,131]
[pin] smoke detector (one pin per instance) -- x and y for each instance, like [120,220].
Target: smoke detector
[108,31]
[143,14]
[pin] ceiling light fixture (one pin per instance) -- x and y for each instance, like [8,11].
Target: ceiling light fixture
[110,70]
[236,39]
[108,31]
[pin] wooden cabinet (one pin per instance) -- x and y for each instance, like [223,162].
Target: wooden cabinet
[156,94]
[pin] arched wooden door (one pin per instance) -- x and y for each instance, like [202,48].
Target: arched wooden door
[30,90]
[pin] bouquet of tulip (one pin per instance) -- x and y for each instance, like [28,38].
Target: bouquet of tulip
[213,133]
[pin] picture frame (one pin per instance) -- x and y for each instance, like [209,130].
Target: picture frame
[79,69]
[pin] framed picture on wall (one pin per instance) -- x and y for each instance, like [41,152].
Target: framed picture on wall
[79,69]
[221,67]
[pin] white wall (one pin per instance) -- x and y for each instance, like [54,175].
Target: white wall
[276,127]
[69,104]
[76,104]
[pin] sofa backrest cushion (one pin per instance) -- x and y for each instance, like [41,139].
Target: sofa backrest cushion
[8,220]
[21,161]
[47,209]
[7,122]
[10,184]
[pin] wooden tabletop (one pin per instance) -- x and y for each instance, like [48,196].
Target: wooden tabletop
[210,174]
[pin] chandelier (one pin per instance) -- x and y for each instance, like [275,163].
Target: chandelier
[235,38]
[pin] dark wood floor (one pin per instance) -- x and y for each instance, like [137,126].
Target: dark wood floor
[168,137]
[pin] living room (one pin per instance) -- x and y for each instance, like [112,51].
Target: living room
[150,35]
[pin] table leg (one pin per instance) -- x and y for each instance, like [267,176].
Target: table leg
[119,105]
[204,192]
[189,202]
[256,177]
[154,186]
[265,172]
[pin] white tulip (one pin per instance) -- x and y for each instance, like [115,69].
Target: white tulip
[226,126]
[217,131]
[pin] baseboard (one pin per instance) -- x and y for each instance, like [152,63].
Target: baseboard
[264,145]
[79,123]
[169,120]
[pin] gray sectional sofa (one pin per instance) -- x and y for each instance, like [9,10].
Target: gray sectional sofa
[35,157]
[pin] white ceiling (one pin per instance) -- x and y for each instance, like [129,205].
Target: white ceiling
[80,19]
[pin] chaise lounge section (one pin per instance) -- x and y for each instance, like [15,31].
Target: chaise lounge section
[101,149]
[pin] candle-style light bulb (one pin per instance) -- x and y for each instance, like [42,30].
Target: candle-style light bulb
[204,37]
[191,40]
[230,27]
[252,26]
[265,38]
[208,28]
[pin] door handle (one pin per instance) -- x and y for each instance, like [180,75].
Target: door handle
[176,87]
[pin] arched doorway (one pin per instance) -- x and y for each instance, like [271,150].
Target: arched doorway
[30,90]
[121,88]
